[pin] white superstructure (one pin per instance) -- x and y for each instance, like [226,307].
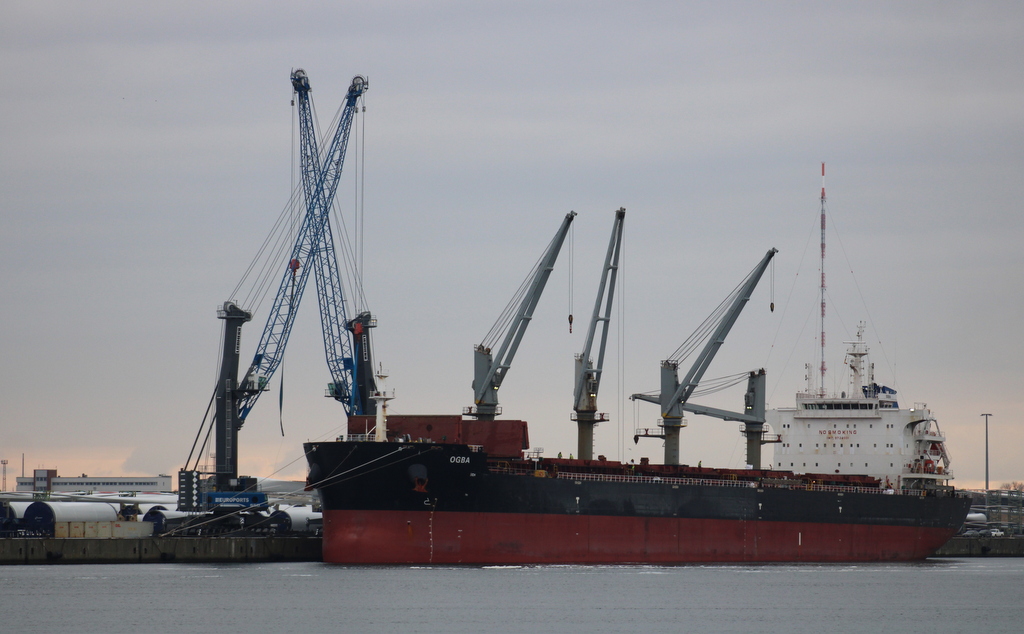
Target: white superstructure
[863,431]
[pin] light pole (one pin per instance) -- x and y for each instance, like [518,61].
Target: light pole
[986,450]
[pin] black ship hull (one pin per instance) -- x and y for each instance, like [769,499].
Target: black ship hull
[421,503]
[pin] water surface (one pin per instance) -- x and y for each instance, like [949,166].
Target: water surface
[939,595]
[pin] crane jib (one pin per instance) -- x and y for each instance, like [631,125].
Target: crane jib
[490,371]
[314,251]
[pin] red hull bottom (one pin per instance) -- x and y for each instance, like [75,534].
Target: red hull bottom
[402,537]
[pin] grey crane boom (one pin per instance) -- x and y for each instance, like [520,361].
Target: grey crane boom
[489,370]
[588,376]
[675,394]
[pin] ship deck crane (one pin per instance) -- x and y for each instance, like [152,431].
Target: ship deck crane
[675,394]
[490,370]
[588,376]
[346,342]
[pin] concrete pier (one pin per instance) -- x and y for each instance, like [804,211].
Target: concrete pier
[263,549]
[983,547]
[159,549]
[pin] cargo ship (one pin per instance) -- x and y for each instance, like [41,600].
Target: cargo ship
[468,490]
[414,500]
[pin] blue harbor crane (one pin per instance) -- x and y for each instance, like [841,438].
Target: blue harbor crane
[675,394]
[346,341]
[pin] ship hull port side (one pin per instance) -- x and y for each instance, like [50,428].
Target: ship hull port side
[416,503]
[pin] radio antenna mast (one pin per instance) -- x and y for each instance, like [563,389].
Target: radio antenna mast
[822,267]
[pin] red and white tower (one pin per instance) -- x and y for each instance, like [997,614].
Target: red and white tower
[822,268]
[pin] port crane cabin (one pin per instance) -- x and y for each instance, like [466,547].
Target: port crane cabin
[346,341]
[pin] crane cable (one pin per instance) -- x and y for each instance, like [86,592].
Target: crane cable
[291,265]
[504,321]
[710,323]
[572,269]
[621,346]
[351,243]
[209,406]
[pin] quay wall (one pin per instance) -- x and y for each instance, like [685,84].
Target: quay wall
[983,547]
[264,549]
[158,549]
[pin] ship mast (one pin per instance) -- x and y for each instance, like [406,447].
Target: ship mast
[821,391]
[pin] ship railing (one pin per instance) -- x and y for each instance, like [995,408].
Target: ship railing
[833,488]
[611,477]
[836,413]
[795,484]
[358,437]
[920,468]
[507,469]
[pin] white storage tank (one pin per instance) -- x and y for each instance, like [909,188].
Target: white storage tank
[15,510]
[43,515]
[299,519]
[164,520]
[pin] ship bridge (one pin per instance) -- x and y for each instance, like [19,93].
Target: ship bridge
[816,407]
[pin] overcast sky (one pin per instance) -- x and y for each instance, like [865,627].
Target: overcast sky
[147,151]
